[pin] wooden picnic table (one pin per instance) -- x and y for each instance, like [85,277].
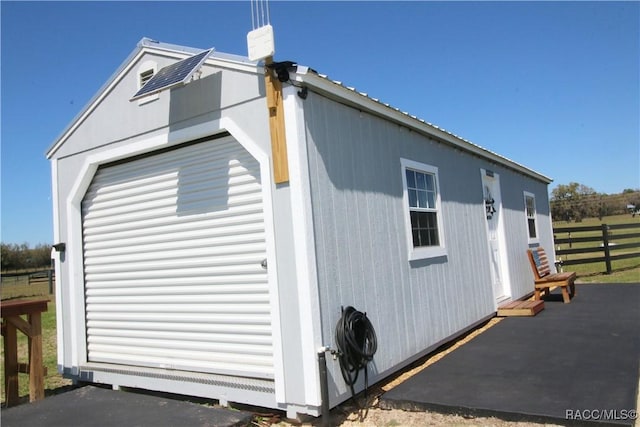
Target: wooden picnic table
[12,321]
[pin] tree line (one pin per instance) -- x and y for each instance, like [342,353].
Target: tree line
[23,257]
[574,201]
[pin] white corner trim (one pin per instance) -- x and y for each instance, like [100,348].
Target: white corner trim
[304,242]
[58,268]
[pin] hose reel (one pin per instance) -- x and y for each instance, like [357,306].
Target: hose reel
[357,343]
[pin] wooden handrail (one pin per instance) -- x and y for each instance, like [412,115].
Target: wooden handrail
[32,327]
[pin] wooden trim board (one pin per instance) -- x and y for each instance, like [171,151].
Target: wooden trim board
[273,88]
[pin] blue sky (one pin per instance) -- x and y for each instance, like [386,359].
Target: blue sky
[551,85]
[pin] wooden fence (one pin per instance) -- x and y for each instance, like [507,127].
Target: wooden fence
[609,237]
[37,282]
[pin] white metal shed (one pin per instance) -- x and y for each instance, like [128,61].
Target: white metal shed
[188,268]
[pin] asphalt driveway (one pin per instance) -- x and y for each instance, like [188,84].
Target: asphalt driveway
[576,362]
[95,406]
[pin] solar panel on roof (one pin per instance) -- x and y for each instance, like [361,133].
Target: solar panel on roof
[173,75]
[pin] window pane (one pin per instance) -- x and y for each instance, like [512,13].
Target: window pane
[421,181]
[424,228]
[422,199]
[411,178]
[424,237]
[414,219]
[413,198]
[430,183]
[434,230]
[431,219]
[531,208]
[434,238]
[532,228]
[422,220]
[432,200]
[416,239]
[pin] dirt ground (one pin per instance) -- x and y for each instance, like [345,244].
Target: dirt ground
[396,417]
[348,414]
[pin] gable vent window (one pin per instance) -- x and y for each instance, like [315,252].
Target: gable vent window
[145,71]
[145,76]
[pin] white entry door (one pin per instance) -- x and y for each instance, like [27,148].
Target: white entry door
[495,233]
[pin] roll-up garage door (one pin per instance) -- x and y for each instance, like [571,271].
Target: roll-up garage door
[173,247]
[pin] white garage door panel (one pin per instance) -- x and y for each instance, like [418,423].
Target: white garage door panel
[173,245]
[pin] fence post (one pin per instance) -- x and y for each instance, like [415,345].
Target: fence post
[50,277]
[605,243]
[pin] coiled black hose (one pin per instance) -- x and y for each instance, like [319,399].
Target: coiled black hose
[357,343]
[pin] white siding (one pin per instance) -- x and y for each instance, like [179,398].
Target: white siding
[360,235]
[173,244]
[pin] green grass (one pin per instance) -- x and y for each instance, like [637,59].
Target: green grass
[623,271]
[53,380]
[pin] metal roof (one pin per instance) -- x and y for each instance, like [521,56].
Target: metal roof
[320,82]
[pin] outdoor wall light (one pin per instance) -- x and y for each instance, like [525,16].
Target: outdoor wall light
[490,208]
[60,247]
[282,69]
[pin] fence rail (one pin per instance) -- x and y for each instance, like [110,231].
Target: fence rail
[42,279]
[606,235]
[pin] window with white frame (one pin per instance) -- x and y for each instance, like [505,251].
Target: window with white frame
[530,212]
[423,214]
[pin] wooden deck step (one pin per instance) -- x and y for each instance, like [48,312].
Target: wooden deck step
[521,308]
